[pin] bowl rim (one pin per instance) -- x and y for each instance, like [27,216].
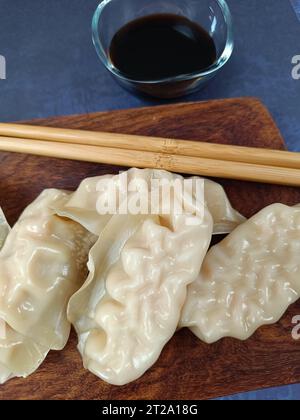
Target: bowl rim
[210,71]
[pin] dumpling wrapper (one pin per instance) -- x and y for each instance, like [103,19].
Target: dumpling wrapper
[42,263]
[225,217]
[19,355]
[4,228]
[5,373]
[11,338]
[82,206]
[249,279]
[130,306]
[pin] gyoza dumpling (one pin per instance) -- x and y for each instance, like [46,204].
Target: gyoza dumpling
[8,338]
[130,306]
[42,263]
[249,279]
[82,206]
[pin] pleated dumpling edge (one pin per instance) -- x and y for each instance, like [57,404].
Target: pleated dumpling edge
[42,263]
[130,306]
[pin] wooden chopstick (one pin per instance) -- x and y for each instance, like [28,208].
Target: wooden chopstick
[256,156]
[145,159]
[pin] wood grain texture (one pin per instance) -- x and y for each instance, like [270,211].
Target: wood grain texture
[187,368]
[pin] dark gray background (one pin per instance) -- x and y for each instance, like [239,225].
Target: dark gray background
[52,69]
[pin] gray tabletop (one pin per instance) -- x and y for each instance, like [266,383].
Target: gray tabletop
[52,69]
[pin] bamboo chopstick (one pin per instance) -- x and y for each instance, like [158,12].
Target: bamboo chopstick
[158,145]
[145,159]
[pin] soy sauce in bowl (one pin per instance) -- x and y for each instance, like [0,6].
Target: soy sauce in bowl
[166,49]
[161,46]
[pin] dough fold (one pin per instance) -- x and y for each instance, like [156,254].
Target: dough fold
[249,279]
[42,263]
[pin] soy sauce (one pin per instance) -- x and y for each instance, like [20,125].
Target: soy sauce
[161,46]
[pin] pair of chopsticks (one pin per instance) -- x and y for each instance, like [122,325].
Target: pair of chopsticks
[189,157]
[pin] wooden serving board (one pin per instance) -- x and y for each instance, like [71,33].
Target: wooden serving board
[187,368]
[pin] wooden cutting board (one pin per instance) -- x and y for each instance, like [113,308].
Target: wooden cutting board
[187,368]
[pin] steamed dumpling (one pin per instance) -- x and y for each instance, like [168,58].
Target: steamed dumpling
[7,335]
[249,279]
[130,306]
[82,206]
[42,263]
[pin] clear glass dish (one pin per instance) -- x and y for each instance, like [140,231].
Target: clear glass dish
[212,15]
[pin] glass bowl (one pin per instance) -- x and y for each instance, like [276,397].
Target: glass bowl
[213,15]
